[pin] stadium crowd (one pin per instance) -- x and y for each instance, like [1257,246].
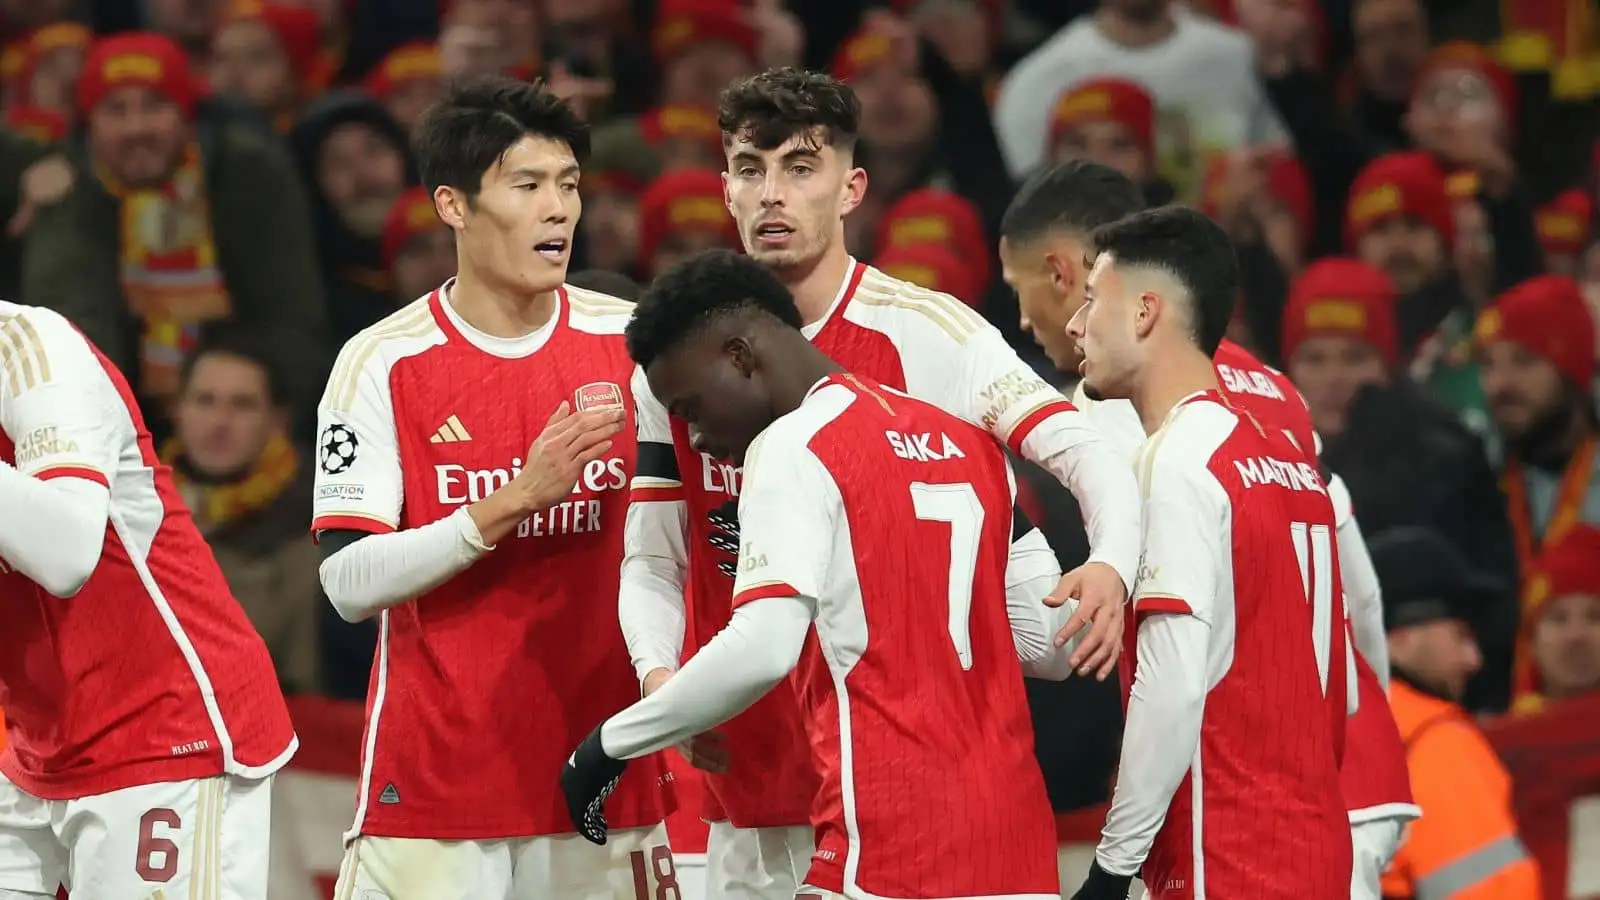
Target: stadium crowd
[221,193]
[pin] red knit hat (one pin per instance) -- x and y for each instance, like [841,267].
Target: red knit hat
[681,24]
[934,267]
[933,216]
[1107,100]
[413,213]
[139,58]
[47,40]
[681,121]
[1547,316]
[1570,565]
[1476,58]
[1564,222]
[679,201]
[861,53]
[298,30]
[1287,182]
[412,61]
[1399,184]
[1338,297]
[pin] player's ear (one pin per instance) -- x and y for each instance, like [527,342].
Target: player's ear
[741,354]
[1149,308]
[1063,277]
[451,205]
[855,189]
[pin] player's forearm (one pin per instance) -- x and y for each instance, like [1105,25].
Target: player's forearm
[1067,445]
[757,649]
[1032,572]
[52,531]
[381,571]
[1160,737]
[650,600]
[1364,599]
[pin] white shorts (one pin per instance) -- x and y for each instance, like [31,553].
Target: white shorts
[757,863]
[1375,844]
[204,838]
[634,864]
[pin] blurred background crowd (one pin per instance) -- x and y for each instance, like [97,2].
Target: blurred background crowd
[220,192]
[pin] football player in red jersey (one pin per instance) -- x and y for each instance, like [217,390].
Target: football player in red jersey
[435,514]
[1229,781]
[144,716]
[1044,237]
[789,137]
[861,505]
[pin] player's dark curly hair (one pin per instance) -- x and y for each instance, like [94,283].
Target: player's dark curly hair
[1192,249]
[701,289]
[477,120]
[778,104]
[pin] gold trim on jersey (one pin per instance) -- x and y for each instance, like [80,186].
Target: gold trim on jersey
[956,318]
[413,322]
[601,304]
[26,365]
[451,432]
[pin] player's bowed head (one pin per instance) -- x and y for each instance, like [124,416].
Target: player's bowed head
[718,336]
[1157,304]
[502,159]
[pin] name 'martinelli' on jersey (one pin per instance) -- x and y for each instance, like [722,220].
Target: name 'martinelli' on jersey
[1296,476]
[459,485]
[923,447]
[1245,381]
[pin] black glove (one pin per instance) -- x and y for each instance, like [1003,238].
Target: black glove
[1102,885]
[587,780]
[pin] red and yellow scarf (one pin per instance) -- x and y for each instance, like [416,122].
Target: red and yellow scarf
[215,505]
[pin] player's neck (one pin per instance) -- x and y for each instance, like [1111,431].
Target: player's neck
[816,288]
[499,311]
[795,377]
[1164,385]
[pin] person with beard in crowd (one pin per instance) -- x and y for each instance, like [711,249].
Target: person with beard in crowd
[1466,844]
[1537,344]
[180,218]
[357,160]
[1406,458]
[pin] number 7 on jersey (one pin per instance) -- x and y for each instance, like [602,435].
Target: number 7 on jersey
[958,506]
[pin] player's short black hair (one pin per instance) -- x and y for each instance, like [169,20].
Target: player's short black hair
[1190,247]
[606,281]
[699,290]
[778,104]
[1075,197]
[477,120]
[238,343]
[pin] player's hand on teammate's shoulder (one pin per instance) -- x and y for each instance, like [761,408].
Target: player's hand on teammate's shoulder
[1101,595]
[707,752]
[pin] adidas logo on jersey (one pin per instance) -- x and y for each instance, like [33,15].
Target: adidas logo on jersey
[451,432]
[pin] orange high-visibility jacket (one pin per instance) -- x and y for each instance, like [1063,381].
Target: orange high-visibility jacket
[1465,846]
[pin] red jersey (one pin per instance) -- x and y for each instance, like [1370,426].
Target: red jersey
[151,672]
[927,344]
[916,713]
[501,670]
[1238,523]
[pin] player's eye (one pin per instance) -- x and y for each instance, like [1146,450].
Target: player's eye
[800,170]
[749,172]
[569,186]
[529,186]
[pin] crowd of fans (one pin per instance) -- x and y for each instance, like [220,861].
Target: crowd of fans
[220,193]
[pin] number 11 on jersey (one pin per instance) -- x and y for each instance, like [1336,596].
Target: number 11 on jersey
[958,506]
[1313,547]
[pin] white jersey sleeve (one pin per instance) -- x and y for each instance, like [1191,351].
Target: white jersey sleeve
[1185,513]
[789,510]
[991,385]
[359,485]
[650,601]
[57,405]
[68,425]
[1116,420]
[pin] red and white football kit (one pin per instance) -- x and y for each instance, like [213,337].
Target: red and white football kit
[858,510]
[142,710]
[491,662]
[1373,772]
[683,532]
[1229,785]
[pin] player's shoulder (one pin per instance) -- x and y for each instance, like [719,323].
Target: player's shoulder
[796,429]
[36,323]
[1185,449]
[896,307]
[594,312]
[35,343]
[407,331]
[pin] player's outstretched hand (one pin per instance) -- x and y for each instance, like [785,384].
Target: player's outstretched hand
[587,780]
[570,441]
[1100,594]
[707,752]
[1102,885]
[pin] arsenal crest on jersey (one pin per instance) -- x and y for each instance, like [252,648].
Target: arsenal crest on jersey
[597,395]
